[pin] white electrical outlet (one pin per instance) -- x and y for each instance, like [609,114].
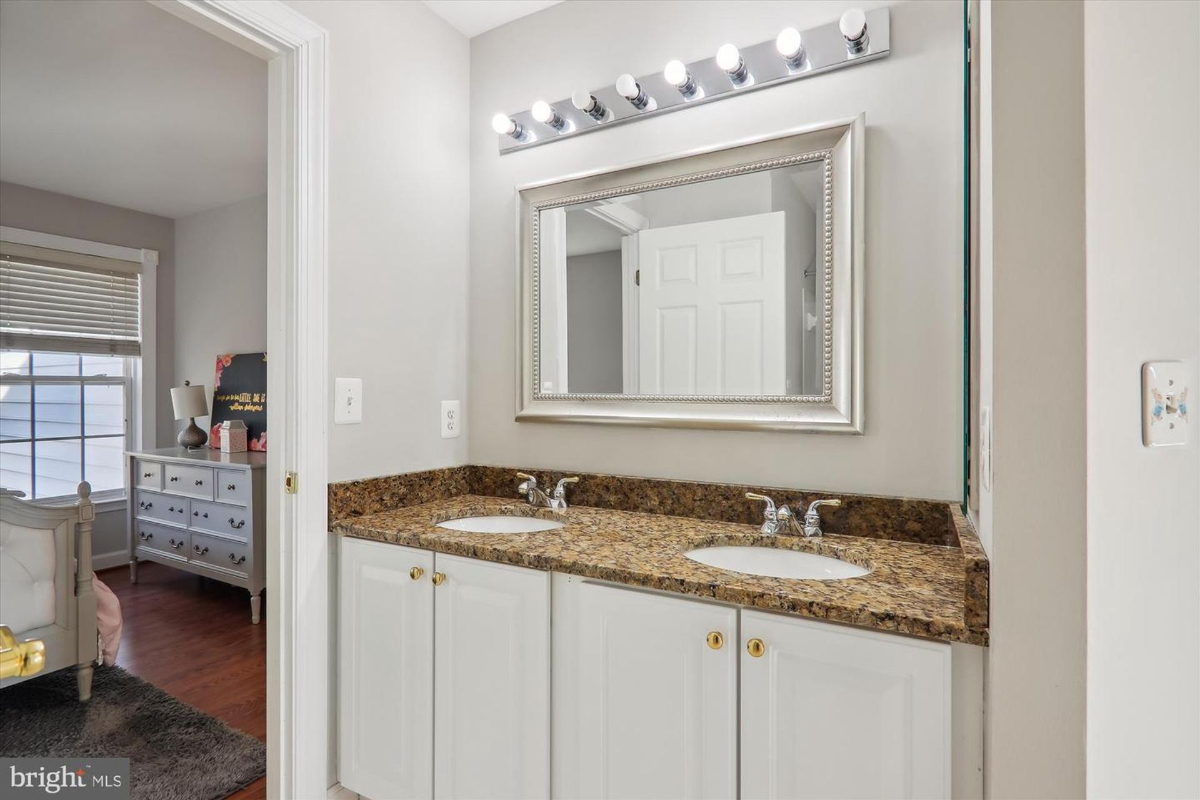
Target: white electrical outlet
[451,419]
[1165,389]
[347,401]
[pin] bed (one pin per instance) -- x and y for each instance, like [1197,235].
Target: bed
[46,582]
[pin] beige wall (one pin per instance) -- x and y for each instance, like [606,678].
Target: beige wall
[1033,516]
[913,105]
[398,201]
[1143,301]
[220,288]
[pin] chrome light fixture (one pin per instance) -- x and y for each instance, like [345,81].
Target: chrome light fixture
[588,104]
[505,125]
[729,58]
[678,76]
[853,26]
[632,91]
[790,45]
[544,113]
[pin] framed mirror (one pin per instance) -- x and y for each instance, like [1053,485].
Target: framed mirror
[720,289]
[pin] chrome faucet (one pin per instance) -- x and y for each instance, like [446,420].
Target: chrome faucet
[783,519]
[536,496]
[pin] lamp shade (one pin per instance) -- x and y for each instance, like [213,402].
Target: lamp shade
[189,401]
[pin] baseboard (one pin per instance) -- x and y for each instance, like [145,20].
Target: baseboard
[339,792]
[116,558]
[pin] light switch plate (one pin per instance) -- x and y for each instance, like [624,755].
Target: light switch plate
[451,419]
[347,401]
[1165,389]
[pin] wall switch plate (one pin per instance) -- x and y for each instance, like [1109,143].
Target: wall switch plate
[1165,389]
[347,401]
[451,419]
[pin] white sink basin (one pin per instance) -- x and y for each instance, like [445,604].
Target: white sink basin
[500,524]
[773,562]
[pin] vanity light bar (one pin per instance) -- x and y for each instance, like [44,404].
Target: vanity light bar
[856,38]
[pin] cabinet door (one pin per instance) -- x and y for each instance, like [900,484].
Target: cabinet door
[492,679]
[644,706]
[385,681]
[834,712]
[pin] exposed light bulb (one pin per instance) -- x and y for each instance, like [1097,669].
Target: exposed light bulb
[730,60]
[544,113]
[853,26]
[632,91]
[507,126]
[790,45]
[678,76]
[588,104]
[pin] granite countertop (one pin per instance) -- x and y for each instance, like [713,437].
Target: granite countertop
[916,589]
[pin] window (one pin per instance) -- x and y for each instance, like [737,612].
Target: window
[70,343]
[63,418]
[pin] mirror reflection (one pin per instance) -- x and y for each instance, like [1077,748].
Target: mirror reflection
[708,288]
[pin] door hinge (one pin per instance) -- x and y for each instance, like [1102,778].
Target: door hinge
[289,482]
[637,277]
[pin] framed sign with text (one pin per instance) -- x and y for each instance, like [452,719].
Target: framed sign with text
[240,392]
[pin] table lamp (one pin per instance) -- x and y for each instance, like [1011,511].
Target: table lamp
[190,402]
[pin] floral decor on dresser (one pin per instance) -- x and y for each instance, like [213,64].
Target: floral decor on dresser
[240,393]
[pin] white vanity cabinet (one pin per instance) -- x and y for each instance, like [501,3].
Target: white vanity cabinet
[444,675]
[645,694]
[385,670]
[829,711]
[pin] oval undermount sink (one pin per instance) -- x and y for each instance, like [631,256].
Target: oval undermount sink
[773,562]
[500,524]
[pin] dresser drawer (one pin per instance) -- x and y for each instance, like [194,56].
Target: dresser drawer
[192,481]
[161,539]
[161,507]
[220,518]
[223,553]
[233,486]
[148,475]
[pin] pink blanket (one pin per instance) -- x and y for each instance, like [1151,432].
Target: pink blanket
[108,620]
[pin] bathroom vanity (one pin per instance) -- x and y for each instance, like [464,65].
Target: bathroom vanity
[595,658]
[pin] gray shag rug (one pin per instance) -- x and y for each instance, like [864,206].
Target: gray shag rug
[175,751]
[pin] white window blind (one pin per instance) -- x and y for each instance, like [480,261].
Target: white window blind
[55,300]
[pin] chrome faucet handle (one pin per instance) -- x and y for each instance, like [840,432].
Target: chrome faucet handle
[528,484]
[770,524]
[560,491]
[812,518]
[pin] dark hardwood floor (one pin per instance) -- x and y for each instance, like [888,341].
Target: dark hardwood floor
[192,637]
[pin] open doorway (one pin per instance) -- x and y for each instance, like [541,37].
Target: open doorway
[133,200]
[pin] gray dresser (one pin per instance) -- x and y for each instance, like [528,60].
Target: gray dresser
[203,511]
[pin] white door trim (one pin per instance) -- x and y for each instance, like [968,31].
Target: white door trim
[295,50]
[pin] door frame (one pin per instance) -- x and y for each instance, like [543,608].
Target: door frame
[295,50]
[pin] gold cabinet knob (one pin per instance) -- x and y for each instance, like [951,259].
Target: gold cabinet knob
[756,648]
[415,573]
[439,578]
[715,640]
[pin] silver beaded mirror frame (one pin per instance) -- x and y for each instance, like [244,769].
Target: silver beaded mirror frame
[838,407]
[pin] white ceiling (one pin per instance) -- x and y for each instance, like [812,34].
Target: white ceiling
[119,102]
[473,17]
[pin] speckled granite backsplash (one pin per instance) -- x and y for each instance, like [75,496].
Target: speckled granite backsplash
[893,518]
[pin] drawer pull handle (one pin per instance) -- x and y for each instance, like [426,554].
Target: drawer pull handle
[238,525]
[176,544]
[199,483]
[174,478]
[756,648]
[415,573]
[230,488]
[197,513]
[439,578]
[145,505]
[199,552]
[235,559]
[145,537]
[147,474]
[172,508]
